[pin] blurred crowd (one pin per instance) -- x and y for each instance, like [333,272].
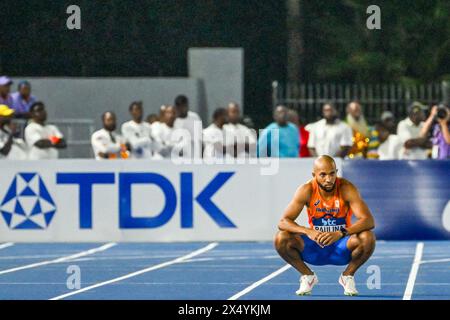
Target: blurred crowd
[178,131]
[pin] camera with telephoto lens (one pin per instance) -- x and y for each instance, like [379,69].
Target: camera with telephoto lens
[442,112]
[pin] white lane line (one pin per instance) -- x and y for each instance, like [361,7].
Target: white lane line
[6,245]
[259,282]
[414,270]
[136,273]
[62,259]
[435,261]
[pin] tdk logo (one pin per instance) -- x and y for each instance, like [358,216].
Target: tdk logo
[85,182]
[27,203]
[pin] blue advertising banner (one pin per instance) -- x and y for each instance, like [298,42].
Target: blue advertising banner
[410,200]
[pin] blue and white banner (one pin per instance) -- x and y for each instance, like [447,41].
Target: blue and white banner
[87,200]
[158,201]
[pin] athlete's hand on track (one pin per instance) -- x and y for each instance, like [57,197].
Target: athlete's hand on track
[327,238]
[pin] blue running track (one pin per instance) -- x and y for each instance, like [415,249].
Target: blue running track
[244,270]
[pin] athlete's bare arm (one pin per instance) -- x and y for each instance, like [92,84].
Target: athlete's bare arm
[293,210]
[365,219]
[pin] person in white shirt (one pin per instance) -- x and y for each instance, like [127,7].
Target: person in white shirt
[330,136]
[214,141]
[241,138]
[191,122]
[106,143]
[388,120]
[165,135]
[11,147]
[43,140]
[139,134]
[390,147]
[6,137]
[159,117]
[415,146]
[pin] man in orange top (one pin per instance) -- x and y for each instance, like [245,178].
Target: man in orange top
[331,238]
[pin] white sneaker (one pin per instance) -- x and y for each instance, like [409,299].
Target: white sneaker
[348,283]
[307,282]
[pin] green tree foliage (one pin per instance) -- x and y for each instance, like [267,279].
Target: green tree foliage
[413,44]
[151,38]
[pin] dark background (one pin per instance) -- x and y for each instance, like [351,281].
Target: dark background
[151,38]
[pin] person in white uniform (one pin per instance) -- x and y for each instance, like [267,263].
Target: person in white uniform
[159,117]
[390,147]
[138,134]
[214,140]
[11,147]
[106,143]
[415,147]
[43,140]
[242,139]
[192,124]
[330,136]
[164,133]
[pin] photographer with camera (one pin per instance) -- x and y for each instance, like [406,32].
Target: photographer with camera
[439,122]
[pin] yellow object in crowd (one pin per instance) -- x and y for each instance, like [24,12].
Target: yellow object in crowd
[360,144]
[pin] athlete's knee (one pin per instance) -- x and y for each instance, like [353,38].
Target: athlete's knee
[283,240]
[367,237]
[367,241]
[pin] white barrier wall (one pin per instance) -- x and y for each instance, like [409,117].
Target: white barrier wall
[88,98]
[87,200]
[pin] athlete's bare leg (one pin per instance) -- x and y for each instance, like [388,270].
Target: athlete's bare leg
[362,246]
[288,246]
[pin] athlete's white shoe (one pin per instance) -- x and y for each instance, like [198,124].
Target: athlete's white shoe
[307,282]
[348,283]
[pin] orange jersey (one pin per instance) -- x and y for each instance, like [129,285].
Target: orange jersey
[330,215]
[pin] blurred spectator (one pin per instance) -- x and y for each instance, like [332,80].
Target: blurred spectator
[390,147]
[241,137]
[214,136]
[151,118]
[302,133]
[355,119]
[415,146]
[19,149]
[388,121]
[159,117]
[5,88]
[280,138]
[191,122]
[22,100]
[330,136]
[162,110]
[106,143]
[374,143]
[43,139]
[6,136]
[139,134]
[439,122]
[164,132]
